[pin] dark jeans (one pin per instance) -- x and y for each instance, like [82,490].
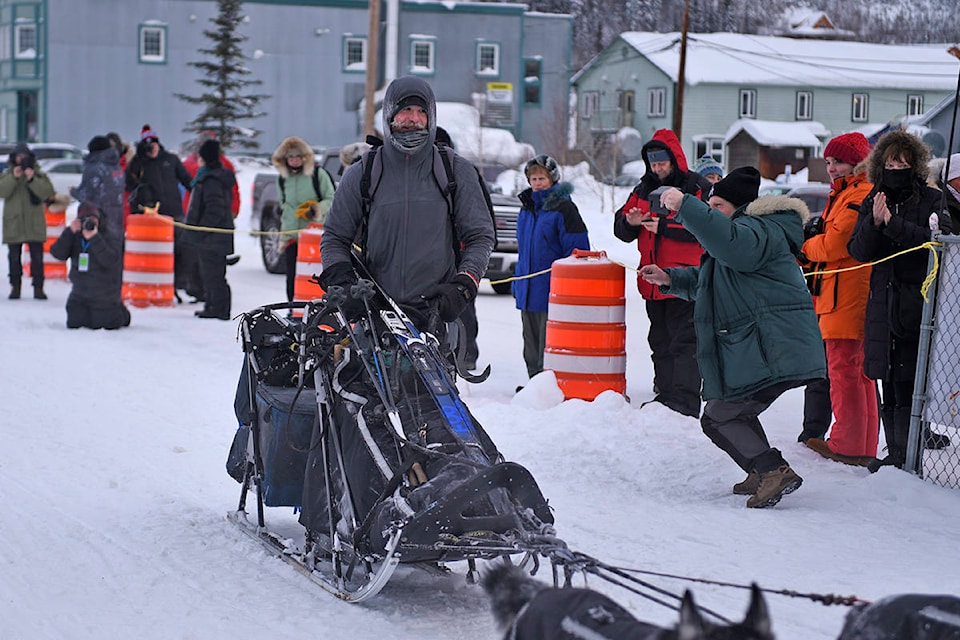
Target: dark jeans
[734,426]
[290,262]
[216,291]
[673,349]
[817,410]
[14,249]
[534,339]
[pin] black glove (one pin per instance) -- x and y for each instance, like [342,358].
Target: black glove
[452,297]
[813,227]
[339,274]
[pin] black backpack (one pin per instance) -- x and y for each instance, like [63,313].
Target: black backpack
[281,181]
[442,157]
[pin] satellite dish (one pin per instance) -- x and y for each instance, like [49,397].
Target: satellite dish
[936,143]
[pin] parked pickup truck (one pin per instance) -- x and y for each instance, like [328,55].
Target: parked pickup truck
[266,217]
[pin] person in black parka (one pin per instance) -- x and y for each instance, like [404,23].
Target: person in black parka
[895,216]
[210,204]
[95,272]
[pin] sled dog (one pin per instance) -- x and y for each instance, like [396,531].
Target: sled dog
[531,610]
[905,617]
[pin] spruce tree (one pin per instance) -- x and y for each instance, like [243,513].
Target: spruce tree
[224,81]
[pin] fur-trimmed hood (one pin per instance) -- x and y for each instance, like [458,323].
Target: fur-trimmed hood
[915,152]
[558,193]
[295,145]
[778,204]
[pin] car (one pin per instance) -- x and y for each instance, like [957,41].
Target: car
[63,172]
[42,151]
[814,194]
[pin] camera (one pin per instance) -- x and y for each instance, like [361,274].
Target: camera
[90,224]
[25,160]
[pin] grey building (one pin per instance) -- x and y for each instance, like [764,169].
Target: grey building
[835,86]
[70,69]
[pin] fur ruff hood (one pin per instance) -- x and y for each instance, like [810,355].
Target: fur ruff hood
[560,192]
[295,145]
[778,204]
[916,153]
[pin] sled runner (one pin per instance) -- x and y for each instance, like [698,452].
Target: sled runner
[359,425]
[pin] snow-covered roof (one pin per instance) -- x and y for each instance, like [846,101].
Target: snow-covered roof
[780,134]
[734,58]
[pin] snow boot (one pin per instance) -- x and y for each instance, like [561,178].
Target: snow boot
[38,293]
[820,446]
[748,486]
[15,292]
[773,486]
[934,440]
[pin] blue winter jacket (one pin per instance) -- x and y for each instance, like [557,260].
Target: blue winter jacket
[549,228]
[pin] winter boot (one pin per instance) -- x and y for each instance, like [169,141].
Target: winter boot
[748,486]
[38,293]
[821,447]
[15,292]
[934,440]
[773,486]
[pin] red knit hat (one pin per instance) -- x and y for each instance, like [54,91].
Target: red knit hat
[851,148]
[146,133]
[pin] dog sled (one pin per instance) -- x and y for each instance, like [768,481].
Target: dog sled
[358,425]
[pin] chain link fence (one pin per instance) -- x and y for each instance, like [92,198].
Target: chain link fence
[936,395]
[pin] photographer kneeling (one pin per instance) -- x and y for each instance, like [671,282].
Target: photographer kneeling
[95,273]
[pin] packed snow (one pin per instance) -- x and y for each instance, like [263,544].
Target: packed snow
[113,492]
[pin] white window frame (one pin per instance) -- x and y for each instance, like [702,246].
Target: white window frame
[431,50]
[860,107]
[493,71]
[360,65]
[747,103]
[709,145]
[161,32]
[591,104]
[21,43]
[657,102]
[914,104]
[804,105]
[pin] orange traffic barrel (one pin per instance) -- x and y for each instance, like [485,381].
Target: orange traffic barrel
[308,265]
[148,261]
[56,223]
[586,334]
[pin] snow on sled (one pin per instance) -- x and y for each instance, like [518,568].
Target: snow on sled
[360,426]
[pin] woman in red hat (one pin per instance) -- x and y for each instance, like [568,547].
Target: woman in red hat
[840,300]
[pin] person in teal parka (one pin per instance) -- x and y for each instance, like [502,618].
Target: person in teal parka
[757,333]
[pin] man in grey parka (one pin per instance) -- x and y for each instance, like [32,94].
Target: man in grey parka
[414,248]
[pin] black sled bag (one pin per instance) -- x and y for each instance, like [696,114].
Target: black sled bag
[285,433]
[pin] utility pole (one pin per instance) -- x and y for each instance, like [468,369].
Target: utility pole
[681,73]
[373,54]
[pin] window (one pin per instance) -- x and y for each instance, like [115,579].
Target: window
[656,102]
[914,105]
[708,145]
[748,103]
[591,103]
[804,105]
[153,44]
[488,59]
[25,41]
[354,53]
[531,80]
[422,56]
[861,103]
[626,104]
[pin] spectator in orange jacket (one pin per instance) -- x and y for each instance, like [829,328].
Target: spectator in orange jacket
[663,241]
[840,300]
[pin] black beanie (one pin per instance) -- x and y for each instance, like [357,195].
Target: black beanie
[443,138]
[410,101]
[739,187]
[98,143]
[210,152]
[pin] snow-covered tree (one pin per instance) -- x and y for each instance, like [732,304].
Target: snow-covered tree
[225,82]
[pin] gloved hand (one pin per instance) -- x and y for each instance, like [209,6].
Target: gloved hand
[452,297]
[339,273]
[813,227]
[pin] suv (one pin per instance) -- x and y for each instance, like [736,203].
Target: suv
[503,261]
[814,194]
